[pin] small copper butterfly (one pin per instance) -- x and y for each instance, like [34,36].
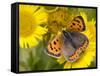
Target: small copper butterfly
[70,43]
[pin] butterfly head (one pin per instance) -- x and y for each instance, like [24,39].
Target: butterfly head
[65,34]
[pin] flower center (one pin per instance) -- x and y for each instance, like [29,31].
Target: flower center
[26,23]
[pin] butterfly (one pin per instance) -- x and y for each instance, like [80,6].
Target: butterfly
[71,43]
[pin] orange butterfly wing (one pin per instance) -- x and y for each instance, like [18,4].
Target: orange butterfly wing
[77,53]
[54,47]
[77,24]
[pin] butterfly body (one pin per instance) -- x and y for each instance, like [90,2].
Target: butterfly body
[70,43]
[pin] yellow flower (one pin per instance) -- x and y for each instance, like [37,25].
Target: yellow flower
[90,53]
[57,19]
[30,19]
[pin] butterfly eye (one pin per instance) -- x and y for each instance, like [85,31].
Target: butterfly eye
[65,34]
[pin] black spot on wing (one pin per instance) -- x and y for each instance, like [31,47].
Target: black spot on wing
[83,23]
[71,26]
[51,46]
[59,48]
[80,26]
[56,55]
[78,29]
[54,43]
[83,28]
[73,23]
[56,50]
[78,21]
[57,39]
